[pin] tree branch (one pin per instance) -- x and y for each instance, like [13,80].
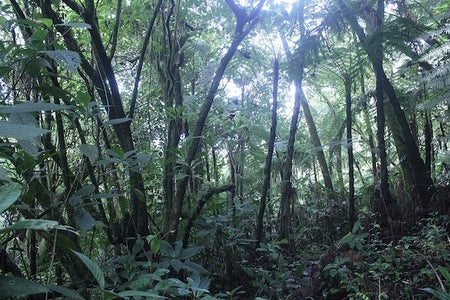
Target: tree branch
[200,204]
[115,32]
[141,60]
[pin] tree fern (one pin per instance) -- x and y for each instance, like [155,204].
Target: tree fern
[437,79]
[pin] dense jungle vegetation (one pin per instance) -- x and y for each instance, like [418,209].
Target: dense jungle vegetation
[229,149]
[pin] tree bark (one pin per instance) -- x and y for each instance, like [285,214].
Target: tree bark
[351,172]
[423,183]
[106,86]
[244,24]
[383,175]
[315,140]
[268,162]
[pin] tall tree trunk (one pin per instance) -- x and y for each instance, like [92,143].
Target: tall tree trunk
[287,190]
[268,162]
[383,175]
[315,140]
[351,175]
[423,184]
[366,116]
[428,134]
[104,77]
[170,81]
[244,24]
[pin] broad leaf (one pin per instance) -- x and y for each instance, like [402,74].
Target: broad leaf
[188,253]
[94,268]
[20,132]
[19,287]
[37,224]
[84,219]
[440,295]
[118,121]
[69,60]
[75,25]
[70,294]
[30,147]
[90,151]
[8,195]
[149,295]
[28,107]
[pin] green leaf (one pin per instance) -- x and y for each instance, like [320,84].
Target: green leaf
[440,295]
[283,242]
[69,60]
[150,295]
[84,219]
[116,152]
[141,283]
[47,22]
[8,195]
[110,295]
[20,132]
[347,239]
[188,253]
[19,287]
[93,267]
[83,98]
[356,226]
[444,272]
[90,151]
[37,224]
[194,267]
[118,121]
[39,35]
[70,294]
[85,191]
[28,107]
[155,245]
[75,25]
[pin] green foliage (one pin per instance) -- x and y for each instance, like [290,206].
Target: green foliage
[8,195]
[94,268]
[37,224]
[354,239]
[67,180]
[20,287]
[384,270]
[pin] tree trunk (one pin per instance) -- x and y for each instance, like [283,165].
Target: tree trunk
[111,99]
[244,24]
[366,116]
[170,81]
[383,175]
[268,162]
[315,140]
[351,175]
[428,134]
[423,184]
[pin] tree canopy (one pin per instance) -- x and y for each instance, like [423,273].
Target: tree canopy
[225,149]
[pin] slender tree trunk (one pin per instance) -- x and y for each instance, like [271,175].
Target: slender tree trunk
[287,190]
[428,134]
[387,209]
[315,140]
[244,24]
[423,184]
[351,175]
[104,77]
[269,156]
[366,116]
[171,82]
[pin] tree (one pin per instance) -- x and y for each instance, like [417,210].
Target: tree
[270,149]
[245,21]
[422,181]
